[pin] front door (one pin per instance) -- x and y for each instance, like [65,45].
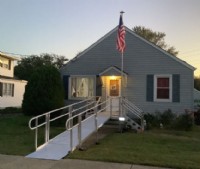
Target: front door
[114,93]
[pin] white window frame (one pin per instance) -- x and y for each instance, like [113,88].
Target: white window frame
[155,87]
[4,63]
[7,89]
[80,76]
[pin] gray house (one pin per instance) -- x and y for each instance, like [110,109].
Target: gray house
[152,79]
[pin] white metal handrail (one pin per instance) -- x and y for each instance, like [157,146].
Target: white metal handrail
[77,110]
[89,102]
[70,125]
[71,118]
[51,112]
[132,105]
[133,109]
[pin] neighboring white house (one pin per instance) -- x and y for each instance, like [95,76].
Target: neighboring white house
[11,88]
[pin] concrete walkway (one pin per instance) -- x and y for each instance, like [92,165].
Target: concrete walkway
[19,162]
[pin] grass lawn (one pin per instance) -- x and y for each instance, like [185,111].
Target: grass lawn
[166,148]
[175,149]
[15,136]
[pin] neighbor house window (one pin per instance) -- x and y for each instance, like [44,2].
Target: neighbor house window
[5,63]
[6,89]
[81,87]
[162,88]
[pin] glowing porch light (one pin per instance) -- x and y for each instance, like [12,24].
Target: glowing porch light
[113,77]
[121,118]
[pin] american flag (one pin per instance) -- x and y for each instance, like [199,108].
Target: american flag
[121,36]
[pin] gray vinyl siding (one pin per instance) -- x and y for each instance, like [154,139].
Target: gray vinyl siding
[140,60]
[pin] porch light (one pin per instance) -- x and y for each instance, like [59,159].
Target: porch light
[121,118]
[113,77]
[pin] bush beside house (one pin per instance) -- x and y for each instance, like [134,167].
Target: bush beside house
[169,120]
[44,91]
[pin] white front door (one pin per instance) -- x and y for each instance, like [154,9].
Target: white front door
[114,93]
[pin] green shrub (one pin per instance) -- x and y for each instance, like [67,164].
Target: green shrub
[197,117]
[183,122]
[44,91]
[152,120]
[169,120]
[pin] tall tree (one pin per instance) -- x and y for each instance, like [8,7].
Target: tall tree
[158,38]
[27,65]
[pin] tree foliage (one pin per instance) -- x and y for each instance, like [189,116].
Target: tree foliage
[27,65]
[44,91]
[157,38]
[197,83]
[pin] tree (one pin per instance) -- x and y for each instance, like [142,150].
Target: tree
[27,65]
[154,37]
[44,91]
[197,83]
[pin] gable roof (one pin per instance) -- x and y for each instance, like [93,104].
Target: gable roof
[9,56]
[162,50]
[93,45]
[141,38]
[113,70]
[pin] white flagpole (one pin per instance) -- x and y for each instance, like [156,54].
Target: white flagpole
[122,62]
[122,68]
[122,79]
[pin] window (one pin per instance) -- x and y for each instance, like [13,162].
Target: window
[6,89]
[162,88]
[5,63]
[81,87]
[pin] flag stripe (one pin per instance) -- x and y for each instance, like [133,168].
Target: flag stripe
[121,36]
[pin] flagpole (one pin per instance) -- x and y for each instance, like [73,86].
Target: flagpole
[121,48]
[122,68]
[122,60]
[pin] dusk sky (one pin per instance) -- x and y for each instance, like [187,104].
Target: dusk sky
[66,27]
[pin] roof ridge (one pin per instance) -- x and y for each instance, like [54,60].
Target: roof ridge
[138,36]
[161,49]
[93,45]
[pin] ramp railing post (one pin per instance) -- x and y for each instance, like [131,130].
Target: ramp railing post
[110,107]
[96,124]
[70,126]
[142,123]
[36,132]
[47,127]
[87,103]
[79,131]
[120,106]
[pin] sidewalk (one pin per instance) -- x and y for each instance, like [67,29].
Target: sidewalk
[20,162]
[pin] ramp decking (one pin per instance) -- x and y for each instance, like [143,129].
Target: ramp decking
[59,147]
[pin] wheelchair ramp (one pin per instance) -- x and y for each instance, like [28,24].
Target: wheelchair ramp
[59,146]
